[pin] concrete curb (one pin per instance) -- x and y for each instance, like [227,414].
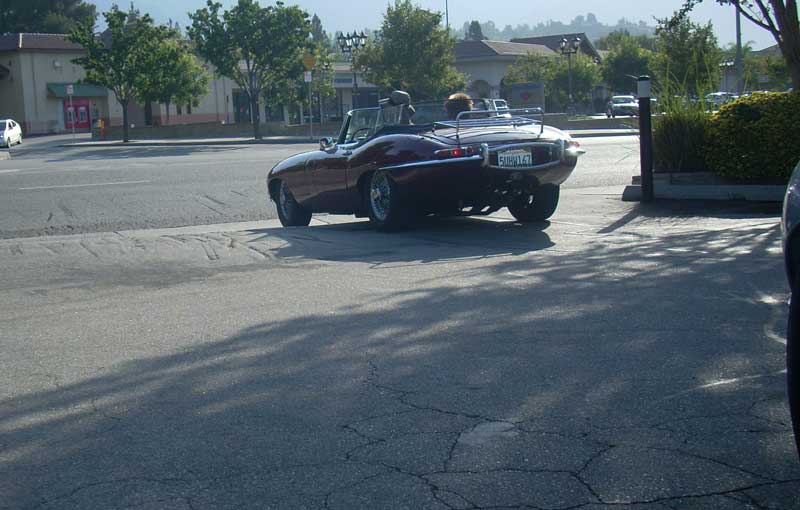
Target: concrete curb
[668,187]
[595,133]
[189,143]
[600,133]
[5,155]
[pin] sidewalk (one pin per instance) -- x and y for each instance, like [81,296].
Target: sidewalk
[272,140]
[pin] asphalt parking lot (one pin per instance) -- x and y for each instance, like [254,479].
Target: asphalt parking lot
[619,356]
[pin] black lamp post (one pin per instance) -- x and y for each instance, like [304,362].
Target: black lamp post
[570,48]
[349,44]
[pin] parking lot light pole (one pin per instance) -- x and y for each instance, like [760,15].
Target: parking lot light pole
[569,48]
[349,44]
[646,138]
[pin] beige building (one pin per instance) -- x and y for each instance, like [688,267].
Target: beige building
[37,74]
[486,63]
[34,72]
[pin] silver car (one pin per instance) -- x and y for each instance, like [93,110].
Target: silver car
[790,228]
[11,133]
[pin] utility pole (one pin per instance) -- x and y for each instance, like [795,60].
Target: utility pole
[447,14]
[739,53]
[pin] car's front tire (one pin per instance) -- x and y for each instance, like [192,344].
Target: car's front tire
[384,203]
[793,362]
[290,212]
[538,206]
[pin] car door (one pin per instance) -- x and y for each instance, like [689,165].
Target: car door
[16,131]
[329,172]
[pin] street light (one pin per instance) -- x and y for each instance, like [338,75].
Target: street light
[569,48]
[349,44]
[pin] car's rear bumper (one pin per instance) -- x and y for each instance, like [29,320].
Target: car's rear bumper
[478,180]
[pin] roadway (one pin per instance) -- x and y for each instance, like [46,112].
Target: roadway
[47,189]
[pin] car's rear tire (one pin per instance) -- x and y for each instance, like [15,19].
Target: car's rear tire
[384,203]
[538,206]
[793,362]
[290,212]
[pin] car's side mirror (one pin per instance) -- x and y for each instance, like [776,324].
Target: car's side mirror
[326,143]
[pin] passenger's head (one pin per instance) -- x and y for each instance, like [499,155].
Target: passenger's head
[457,103]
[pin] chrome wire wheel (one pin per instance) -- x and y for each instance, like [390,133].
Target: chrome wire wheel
[380,196]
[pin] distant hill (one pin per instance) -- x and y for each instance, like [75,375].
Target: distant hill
[587,24]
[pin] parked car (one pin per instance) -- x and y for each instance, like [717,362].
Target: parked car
[622,105]
[11,133]
[790,228]
[717,99]
[397,161]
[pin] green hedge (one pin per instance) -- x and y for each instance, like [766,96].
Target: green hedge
[679,137]
[756,138]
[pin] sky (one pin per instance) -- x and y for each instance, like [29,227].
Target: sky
[348,15]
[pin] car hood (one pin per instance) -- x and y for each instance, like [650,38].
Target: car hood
[499,134]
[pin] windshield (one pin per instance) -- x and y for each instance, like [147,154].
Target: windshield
[362,124]
[622,99]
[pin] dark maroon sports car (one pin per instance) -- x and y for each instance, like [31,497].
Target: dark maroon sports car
[399,161]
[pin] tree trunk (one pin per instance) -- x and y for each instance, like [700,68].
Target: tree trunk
[167,105]
[255,117]
[788,37]
[125,126]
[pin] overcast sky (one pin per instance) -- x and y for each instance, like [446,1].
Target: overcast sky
[349,15]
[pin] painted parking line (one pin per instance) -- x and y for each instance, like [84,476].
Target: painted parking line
[95,184]
[10,171]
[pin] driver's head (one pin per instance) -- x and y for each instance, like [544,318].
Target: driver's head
[457,103]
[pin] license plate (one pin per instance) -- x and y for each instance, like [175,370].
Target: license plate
[515,158]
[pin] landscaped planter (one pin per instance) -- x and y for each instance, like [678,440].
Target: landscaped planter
[707,186]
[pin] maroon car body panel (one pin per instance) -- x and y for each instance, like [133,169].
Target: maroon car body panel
[333,180]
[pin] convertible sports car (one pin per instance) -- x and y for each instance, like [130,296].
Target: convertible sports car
[398,161]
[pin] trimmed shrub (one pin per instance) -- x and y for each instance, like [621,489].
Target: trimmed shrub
[679,136]
[755,138]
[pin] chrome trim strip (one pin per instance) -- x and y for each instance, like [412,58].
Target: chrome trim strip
[543,166]
[434,162]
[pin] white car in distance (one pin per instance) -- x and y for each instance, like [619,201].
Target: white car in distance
[11,133]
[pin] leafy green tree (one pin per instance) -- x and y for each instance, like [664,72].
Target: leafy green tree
[121,58]
[474,32]
[618,37]
[412,52]
[687,53]
[318,34]
[778,17]
[175,76]
[43,16]
[252,45]
[625,61]
[554,74]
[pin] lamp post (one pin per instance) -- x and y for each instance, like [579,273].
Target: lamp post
[569,48]
[349,44]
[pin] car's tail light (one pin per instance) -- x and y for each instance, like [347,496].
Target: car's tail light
[461,152]
[573,144]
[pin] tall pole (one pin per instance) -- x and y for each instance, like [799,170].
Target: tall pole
[72,113]
[646,139]
[447,14]
[739,53]
[569,76]
[310,112]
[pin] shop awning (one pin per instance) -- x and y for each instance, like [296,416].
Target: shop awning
[81,90]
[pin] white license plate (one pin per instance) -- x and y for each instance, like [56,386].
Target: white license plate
[515,158]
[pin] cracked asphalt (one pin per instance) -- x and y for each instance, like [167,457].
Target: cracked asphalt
[620,356]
